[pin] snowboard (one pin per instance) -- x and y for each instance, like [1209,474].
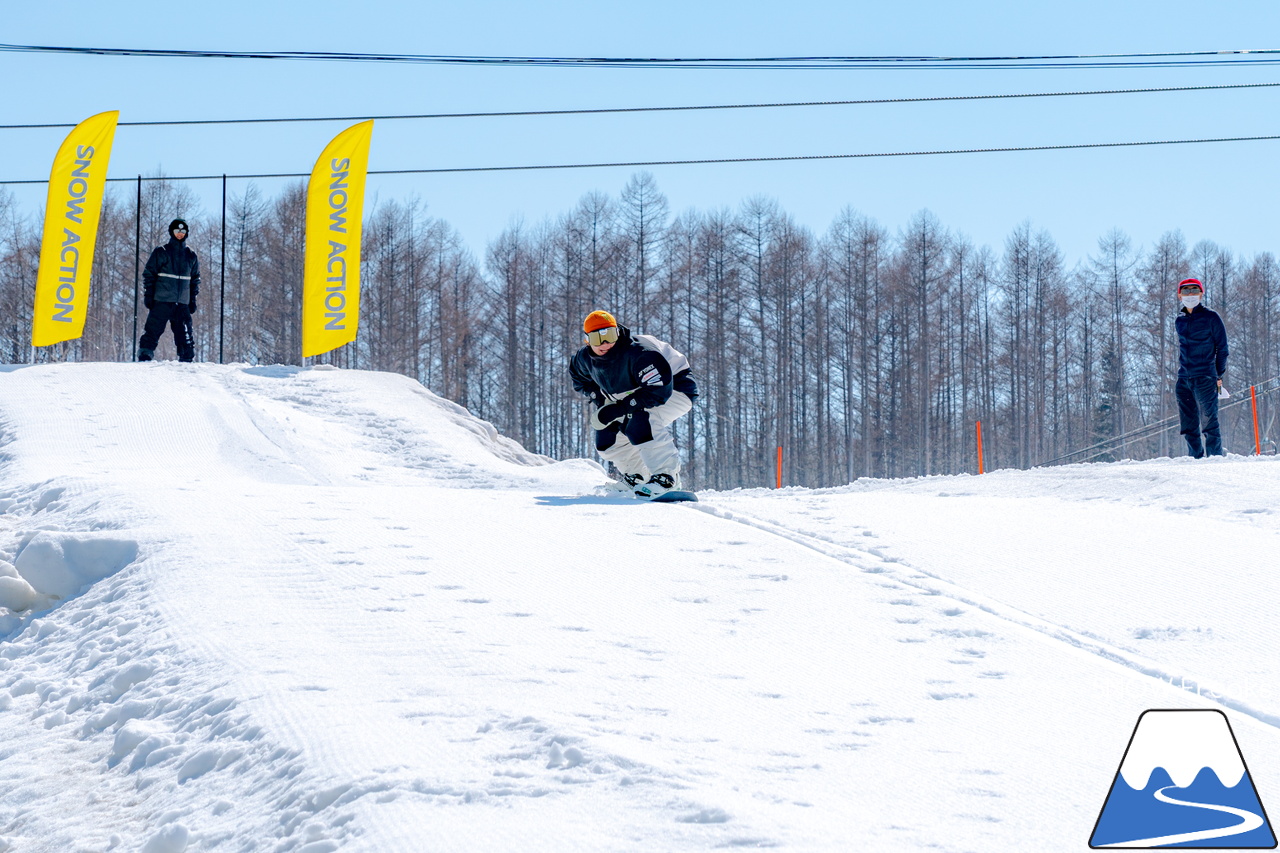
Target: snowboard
[674,496]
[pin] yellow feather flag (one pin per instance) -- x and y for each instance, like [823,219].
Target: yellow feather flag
[71,214]
[335,216]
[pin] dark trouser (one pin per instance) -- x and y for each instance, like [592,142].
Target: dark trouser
[176,315]
[1198,411]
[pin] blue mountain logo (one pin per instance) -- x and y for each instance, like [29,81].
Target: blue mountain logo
[1183,783]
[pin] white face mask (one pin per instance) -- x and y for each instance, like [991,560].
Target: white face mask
[1190,302]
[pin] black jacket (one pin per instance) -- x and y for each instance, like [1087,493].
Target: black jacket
[172,273]
[1202,343]
[636,367]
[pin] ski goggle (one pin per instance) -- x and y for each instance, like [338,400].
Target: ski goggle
[603,336]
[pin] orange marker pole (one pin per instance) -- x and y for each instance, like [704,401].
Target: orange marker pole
[779,467]
[980,469]
[1257,439]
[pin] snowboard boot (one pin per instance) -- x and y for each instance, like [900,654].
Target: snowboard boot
[626,486]
[635,482]
[658,484]
[146,354]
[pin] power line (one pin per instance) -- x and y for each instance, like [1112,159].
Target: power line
[708,161]
[610,110]
[1113,60]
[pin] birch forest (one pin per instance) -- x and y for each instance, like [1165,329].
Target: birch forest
[867,350]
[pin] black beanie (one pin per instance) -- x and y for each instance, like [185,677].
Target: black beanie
[175,223]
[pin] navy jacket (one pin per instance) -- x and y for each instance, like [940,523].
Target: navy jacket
[1202,343]
[637,367]
[172,273]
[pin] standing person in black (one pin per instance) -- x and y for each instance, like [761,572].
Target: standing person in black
[1202,359]
[172,280]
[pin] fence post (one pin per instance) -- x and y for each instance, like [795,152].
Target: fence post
[1257,438]
[980,468]
[779,467]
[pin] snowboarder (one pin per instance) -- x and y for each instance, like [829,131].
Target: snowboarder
[172,280]
[1202,360]
[638,386]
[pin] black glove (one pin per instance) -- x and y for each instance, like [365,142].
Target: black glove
[191,306]
[612,412]
[149,301]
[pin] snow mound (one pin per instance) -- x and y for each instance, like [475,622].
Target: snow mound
[170,424]
[62,564]
[15,593]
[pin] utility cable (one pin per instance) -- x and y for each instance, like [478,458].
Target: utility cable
[615,110]
[1111,60]
[709,161]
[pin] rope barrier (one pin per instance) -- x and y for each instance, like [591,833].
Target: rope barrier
[1148,430]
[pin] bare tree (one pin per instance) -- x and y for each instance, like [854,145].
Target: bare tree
[644,215]
[1158,278]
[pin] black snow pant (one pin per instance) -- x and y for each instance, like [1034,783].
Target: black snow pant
[1198,411]
[177,316]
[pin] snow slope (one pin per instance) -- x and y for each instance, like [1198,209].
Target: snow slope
[284,609]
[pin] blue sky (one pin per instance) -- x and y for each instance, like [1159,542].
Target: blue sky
[1222,192]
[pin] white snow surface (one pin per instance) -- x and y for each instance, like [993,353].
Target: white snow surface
[287,609]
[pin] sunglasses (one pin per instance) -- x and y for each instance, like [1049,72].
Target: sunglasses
[603,336]
[1191,290]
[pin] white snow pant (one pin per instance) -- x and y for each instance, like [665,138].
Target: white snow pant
[658,455]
